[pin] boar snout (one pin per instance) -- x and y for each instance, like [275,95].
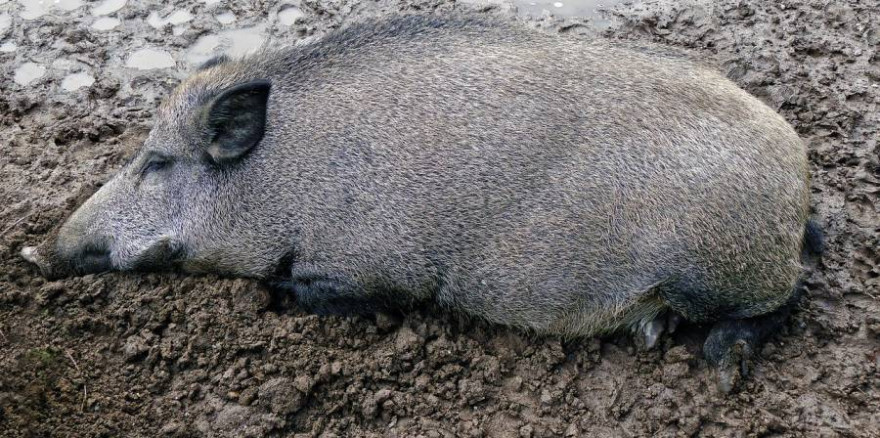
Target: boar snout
[48,263]
[32,255]
[70,254]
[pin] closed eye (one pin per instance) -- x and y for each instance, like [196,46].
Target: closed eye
[155,164]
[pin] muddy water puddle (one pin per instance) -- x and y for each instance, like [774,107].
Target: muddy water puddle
[75,81]
[230,38]
[5,23]
[106,23]
[225,18]
[594,10]
[28,72]
[108,7]
[177,17]
[290,15]
[235,43]
[32,9]
[591,9]
[148,59]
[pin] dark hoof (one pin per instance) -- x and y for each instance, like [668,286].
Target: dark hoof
[734,366]
[649,332]
[730,348]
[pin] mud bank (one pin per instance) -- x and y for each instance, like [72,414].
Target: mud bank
[166,355]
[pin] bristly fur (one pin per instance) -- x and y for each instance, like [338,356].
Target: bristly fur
[562,186]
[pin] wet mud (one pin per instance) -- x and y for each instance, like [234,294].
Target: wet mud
[170,355]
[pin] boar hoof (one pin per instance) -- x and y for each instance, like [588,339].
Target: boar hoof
[730,348]
[651,330]
[672,322]
[732,343]
[734,366]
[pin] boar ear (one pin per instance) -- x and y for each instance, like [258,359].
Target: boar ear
[236,120]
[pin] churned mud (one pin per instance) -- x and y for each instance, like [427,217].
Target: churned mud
[167,355]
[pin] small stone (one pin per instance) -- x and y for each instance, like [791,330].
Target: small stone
[304,384]
[247,396]
[678,354]
[171,428]
[382,395]
[281,396]
[386,322]
[407,339]
[135,347]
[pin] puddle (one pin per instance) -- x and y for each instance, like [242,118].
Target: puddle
[5,23]
[289,16]
[76,81]
[37,8]
[105,23]
[108,7]
[235,43]
[177,17]
[148,59]
[8,46]
[565,8]
[28,72]
[225,18]
[590,9]
[65,64]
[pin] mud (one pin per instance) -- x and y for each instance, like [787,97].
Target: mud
[167,355]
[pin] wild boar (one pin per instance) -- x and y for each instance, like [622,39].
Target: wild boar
[560,186]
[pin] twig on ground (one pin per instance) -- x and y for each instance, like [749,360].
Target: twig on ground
[14,224]
[70,356]
[85,387]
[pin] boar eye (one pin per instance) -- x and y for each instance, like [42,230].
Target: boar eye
[155,164]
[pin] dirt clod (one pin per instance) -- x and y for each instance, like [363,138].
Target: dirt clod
[172,355]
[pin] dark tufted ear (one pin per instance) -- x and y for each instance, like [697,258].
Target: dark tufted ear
[235,120]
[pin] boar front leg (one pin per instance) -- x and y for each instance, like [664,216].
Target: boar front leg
[318,291]
[334,297]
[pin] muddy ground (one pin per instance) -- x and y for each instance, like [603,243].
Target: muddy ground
[167,355]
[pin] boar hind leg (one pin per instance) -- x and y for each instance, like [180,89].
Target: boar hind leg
[732,343]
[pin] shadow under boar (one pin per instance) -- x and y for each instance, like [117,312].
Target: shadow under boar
[560,186]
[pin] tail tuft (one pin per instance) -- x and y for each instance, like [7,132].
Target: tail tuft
[814,242]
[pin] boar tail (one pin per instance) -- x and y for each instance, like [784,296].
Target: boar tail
[813,244]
